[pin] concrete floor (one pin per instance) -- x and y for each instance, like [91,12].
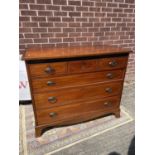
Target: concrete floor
[118,141]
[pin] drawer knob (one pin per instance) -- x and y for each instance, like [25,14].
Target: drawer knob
[53,114]
[49,70]
[108,90]
[108,103]
[52,99]
[113,63]
[50,83]
[110,75]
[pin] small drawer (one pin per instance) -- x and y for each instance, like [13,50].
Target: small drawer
[112,63]
[60,114]
[72,95]
[47,69]
[50,84]
[82,66]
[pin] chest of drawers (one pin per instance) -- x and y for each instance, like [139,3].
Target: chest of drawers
[75,84]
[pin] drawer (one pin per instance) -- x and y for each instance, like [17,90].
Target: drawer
[60,97]
[47,69]
[74,111]
[81,66]
[112,63]
[48,84]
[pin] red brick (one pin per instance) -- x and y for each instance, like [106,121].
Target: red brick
[45,13]
[30,35]
[74,24]
[24,18]
[44,1]
[68,19]
[68,29]
[68,39]
[52,7]
[54,19]
[67,8]
[106,9]
[123,5]
[55,40]
[40,40]
[104,29]
[46,24]
[87,14]
[74,34]
[95,9]
[21,35]
[93,19]
[48,45]
[81,39]
[116,19]
[82,8]
[98,4]
[47,35]
[73,14]
[81,19]
[87,34]
[61,34]
[74,3]
[23,6]
[112,4]
[26,1]
[39,30]
[25,30]
[41,19]
[87,24]
[30,24]
[62,44]
[37,7]
[60,24]
[93,29]
[60,13]
[28,13]
[98,24]
[128,10]
[59,2]
[54,29]
[100,14]
[87,3]
[118,10]
[23,41]
[129,1]
[81,29]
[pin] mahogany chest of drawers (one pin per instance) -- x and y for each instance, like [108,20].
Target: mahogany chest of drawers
[75,84]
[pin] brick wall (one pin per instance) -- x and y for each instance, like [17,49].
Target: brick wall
[57,23]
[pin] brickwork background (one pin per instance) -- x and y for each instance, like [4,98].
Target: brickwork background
[57,23]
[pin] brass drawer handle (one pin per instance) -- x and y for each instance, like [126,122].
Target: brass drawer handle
[110,75]
[49,70]
[108,90]
[50,83]
[52,99]
[108,103]
[113,63]
[53,114]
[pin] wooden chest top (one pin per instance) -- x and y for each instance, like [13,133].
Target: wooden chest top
[71,52]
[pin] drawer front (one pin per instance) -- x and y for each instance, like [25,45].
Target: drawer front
[48,84]
[82,66]
[60,97]
[112,63]
[47,69]
[73,111]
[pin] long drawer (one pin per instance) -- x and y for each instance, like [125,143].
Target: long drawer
[60,97]
[49,84]
[75,111]
[79,66]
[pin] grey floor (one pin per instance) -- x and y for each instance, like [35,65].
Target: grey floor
[118,141]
